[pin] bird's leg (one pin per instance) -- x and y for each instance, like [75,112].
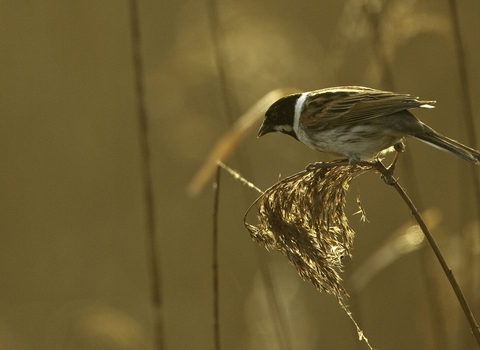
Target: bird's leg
[388,176]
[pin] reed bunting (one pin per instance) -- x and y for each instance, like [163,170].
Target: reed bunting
[356,122]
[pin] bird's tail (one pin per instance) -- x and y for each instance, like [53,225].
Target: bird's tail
[444,143]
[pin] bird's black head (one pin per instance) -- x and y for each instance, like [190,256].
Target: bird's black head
[279,116]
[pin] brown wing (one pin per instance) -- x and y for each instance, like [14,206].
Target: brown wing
[336,106]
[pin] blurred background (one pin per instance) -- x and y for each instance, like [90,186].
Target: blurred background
[75,250]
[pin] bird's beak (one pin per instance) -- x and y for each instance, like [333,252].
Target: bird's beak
[265,129]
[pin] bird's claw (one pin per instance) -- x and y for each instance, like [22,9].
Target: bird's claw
[388,175]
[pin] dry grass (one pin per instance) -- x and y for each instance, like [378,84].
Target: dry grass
[303,217]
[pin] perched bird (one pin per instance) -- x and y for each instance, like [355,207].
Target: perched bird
[356,122]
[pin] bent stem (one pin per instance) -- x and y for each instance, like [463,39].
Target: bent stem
[448,272]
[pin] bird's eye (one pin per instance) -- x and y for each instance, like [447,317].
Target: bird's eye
[274,116]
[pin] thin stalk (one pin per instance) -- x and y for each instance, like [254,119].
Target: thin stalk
[220,56]
[469,119]
[154,259]
[216,292]
[463,75]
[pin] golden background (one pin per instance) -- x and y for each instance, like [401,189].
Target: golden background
[74,250]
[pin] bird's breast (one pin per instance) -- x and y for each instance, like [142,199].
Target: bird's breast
[360,142]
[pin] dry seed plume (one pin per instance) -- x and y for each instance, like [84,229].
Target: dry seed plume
[303,217]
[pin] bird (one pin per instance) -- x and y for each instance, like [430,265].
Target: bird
[356,122]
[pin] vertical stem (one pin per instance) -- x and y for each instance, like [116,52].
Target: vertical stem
[216,300]
[219,56]
[463,75]
[154,259]
[374,12]
[468,116]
